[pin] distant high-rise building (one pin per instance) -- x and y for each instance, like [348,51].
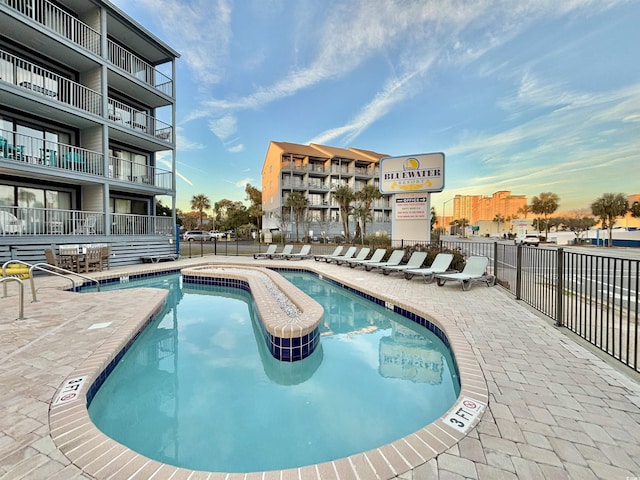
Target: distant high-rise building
[476,208]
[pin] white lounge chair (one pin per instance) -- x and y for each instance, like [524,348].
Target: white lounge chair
[395,259]
[271,249]
[415,261]
[362,254]
[337,251]
[286,250]
[351,251]
[305,252]
[440,265]
[377,256]
[475,270]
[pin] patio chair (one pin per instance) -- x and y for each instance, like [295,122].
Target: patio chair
[271,249]
[395,259]
[305,252]
[69,257]
[377,256]
[337,251]
[89,225]
[475,270]
[286,250]
[9,223]
[362,254]
[92,260]
[440,265]
[415,261]
[351,251]
[105,253]
[50,256]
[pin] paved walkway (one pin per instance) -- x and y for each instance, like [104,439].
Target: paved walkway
[556,410]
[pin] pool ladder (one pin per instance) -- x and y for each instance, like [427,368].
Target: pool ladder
[42,267]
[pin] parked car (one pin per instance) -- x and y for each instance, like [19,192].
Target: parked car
[197,236]
[528,239]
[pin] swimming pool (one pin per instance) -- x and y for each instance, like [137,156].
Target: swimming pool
[395,365]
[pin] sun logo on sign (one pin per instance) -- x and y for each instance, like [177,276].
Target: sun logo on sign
[411,164]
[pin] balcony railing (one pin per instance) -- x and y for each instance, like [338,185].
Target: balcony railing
[17,221]
[48,84]
[138,68]
[127,170]
[140,121]
[53,155]
[57,20]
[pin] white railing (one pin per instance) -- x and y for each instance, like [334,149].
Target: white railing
[137,173]
[57,20]
[37,151]
[53,155]
[138,68]
[48,84]
[140,121]
[127,224]
[18,221]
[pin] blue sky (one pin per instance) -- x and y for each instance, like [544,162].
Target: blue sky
[526,96]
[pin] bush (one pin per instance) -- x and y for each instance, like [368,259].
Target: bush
[434,249]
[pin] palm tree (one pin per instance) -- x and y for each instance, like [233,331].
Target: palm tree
[609,207]
[367,195]
[343,195]
[200,203]
[524,211]
[297,202]
[499,219]
[361,214]
[545,205]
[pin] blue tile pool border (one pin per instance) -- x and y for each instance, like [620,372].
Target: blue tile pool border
[284,349]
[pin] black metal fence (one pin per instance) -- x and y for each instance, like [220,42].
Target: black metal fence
[593,294]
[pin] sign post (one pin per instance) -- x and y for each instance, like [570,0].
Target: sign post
[411,179]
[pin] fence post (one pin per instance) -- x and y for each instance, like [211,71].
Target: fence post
[519,272]
[495,260]
[559,286]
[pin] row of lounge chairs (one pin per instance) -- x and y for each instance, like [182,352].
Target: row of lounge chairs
[440,269]
[474,270]
[287,253]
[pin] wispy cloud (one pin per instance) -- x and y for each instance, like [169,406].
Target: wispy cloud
[200,30]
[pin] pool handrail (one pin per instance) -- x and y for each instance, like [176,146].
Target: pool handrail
[4,281]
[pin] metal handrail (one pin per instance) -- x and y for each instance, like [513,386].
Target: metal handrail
[46,267]
[4,280]
[41,267]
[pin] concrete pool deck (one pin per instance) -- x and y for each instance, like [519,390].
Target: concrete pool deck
[556,410]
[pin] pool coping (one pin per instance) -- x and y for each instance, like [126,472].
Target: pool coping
[98,455]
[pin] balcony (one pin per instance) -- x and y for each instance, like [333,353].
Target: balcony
[138,68]
[49,85]
[57,20]
[48,156]
[139,121]
[19,221]
[131,172]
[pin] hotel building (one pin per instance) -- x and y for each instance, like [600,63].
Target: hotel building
[316,171]
[87,137]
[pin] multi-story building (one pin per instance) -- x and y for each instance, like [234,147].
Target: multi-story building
[476,208]
[316,171]
[87,138]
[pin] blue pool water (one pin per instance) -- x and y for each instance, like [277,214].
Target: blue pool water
[199,389]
